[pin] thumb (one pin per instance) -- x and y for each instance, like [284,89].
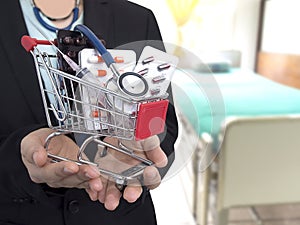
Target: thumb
[33,151]
[40,157]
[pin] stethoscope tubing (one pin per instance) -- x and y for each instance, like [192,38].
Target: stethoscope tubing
[108,59]
[110,62]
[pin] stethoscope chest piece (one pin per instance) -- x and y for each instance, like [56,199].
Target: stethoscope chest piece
[133,84]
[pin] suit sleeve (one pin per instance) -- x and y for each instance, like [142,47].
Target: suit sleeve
[170,134]
[14,177]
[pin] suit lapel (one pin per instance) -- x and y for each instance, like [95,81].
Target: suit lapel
[98,16]
[12,22]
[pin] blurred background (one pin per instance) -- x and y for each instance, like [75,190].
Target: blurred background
[209,25]
[237,155]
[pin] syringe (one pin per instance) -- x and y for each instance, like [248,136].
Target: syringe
[70,62]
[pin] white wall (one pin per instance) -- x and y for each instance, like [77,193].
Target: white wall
[240,35]
[281,33]
[246,30]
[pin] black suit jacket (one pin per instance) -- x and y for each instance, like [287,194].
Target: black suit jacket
[22,201]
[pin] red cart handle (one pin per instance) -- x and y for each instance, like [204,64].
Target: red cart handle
[29,43]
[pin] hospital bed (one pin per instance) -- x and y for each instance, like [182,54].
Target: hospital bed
[256,113]
[258,163]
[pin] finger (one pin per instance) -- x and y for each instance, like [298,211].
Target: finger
[132,193]
[152,178]
[87,176]
[33,153]
[102,193]
[40,157]
[32,147]
[157,156]
[92,194]
[54,173]
[87,172]
[112,197]
[95,185]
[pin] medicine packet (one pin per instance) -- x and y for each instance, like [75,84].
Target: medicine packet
[89,58]
[157,67]
[98,107]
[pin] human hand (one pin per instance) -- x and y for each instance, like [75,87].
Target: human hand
[61,174]
[118,162]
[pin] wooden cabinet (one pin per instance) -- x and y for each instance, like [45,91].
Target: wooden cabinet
[278,55]
[280,67]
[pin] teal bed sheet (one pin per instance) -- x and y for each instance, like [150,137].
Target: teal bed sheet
[207,99]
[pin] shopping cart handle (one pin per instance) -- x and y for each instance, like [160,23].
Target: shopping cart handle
[29,43]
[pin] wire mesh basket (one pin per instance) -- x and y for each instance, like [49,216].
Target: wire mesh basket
[76,105]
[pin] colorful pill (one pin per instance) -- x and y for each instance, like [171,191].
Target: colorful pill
[163,66]
[71,54]
[158,79]
[95,59]
[154,91]
[143,72]
[68,40]
[148,60]
[119,59]
[101,73]
[79,41]
[95,113]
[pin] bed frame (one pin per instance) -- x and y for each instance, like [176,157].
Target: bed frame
[258,165]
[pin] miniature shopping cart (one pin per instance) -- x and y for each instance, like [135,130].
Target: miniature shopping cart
[75,105]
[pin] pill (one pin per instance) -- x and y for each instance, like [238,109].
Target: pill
[71,53]
[143,72]
[119,59]
[148,60]
[79,41]
[163,66]
[68,40]
[99,73]
[154,91]
[95,113]
[158,79]
[95,59]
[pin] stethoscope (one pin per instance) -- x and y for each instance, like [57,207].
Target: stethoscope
[38,12]
[130,83]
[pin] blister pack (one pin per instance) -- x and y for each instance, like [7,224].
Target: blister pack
[157,67]
[89,58]
[125,61]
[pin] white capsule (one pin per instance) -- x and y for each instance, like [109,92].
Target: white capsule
[154,91]
[148,60]
[158,79]
[143,72]
[95,59]
[98,72]
[163,66]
